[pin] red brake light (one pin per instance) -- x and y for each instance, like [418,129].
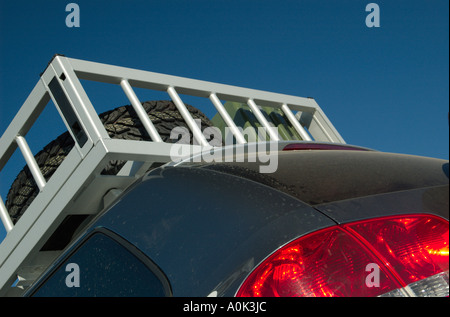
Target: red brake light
[415,247]
[409,251]
[326,263]
[321,146]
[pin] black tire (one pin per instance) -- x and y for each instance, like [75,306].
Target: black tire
[120,123]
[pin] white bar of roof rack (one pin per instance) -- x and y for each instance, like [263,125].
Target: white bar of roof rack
[78,186]
[295,123]
[260,117]
[23,121]
[31,162]
[228,120]
[142,114]
[4,215]
[155,81]
[198,135]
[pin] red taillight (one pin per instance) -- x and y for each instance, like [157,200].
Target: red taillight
[415,247]
[335,261]
[325,263]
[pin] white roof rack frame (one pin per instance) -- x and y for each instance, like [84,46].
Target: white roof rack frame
[77,186]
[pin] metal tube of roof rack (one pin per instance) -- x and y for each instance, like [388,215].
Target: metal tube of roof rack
[226,117]
[198,135]
[260,117]
[31,162]
[142,114]
[4,215]
[295,123]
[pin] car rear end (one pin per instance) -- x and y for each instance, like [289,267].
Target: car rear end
[390,234]
[329,221]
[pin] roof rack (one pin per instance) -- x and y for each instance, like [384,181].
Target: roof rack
[77,187]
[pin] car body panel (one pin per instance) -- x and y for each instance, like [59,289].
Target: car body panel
[207,226]
[324,176]
[207,230]
[429,200]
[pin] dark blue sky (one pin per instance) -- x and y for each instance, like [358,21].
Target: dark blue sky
[384,88]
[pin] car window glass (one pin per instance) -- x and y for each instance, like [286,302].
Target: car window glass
[102,267]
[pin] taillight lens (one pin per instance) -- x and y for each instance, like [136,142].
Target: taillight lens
[323,264]
[338,261]
[414,247]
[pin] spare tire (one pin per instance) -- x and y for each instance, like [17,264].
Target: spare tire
[120,123]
